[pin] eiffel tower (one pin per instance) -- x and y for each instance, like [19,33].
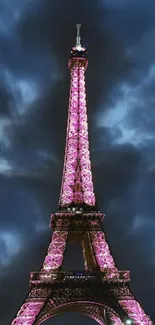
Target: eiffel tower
[101,291]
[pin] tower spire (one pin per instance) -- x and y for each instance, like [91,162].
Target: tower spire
[78,37]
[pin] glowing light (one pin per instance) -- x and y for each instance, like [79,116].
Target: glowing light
[79,48]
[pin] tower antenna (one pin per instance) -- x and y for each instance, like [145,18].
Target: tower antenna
[78,37]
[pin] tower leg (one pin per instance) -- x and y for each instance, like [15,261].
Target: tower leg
[55,254]
[31,307]
[131,306]
[102,251]
[135,311]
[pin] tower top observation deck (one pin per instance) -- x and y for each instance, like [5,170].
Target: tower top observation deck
[78,51]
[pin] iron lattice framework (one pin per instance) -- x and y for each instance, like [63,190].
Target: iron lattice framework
[101,291]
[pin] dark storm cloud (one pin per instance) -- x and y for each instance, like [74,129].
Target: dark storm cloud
[127,114]
[35,41]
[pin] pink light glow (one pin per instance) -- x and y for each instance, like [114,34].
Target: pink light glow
[77,185]
[135,312]
[54,257]
[102,252]
[28,313]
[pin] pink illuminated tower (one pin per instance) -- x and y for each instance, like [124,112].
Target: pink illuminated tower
[101,291]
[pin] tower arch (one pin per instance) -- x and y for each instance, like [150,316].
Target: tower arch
[100,313]
[75,318]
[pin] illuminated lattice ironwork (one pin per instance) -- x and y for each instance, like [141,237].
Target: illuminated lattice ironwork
[77,185]
[135,312]
[101,291]
[55,253]
[102,251]
[27,313]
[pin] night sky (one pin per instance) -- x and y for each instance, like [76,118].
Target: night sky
[35,40]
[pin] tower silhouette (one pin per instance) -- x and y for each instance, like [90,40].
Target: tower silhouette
[101,291]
